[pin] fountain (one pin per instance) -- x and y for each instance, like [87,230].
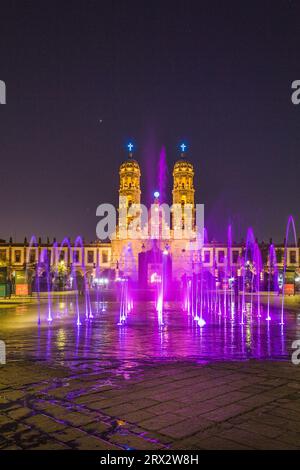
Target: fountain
[290,224]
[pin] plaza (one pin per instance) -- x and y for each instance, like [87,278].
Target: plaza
[104,387]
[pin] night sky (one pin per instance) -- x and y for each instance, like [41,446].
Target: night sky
[84,78]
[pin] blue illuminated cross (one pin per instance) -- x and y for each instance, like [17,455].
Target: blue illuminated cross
[130,147]
[183,147]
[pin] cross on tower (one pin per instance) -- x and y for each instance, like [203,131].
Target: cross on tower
[130,147]
[183,147]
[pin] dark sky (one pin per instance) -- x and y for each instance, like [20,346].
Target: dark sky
[217,74]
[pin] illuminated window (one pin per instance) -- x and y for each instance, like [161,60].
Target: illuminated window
[18,256]
[207,256]
[221,256]
[48,256]
[90,256]
[235,256]
[293,257]
[32,256]
[104,257]
[76,256]
[3,255]
[279,256]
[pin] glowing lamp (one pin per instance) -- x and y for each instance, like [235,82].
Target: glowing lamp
[156,194]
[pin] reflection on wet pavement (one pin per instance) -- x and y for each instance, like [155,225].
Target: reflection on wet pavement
[141,386]
[142,338]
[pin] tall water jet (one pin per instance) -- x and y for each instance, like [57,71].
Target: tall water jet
[250,241]
[88,311]
[125,302]
[33,244]
[62,266]
[273,271]
[257,261]
[44,263]
[289,224]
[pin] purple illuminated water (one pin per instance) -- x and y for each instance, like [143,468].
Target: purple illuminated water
[142,337]
[220,315]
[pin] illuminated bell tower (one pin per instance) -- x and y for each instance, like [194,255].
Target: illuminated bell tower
[183,183]
[129,189]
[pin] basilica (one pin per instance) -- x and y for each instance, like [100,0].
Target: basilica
[132,255]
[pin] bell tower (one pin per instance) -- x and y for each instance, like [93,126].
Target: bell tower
[129,189]
[183,184]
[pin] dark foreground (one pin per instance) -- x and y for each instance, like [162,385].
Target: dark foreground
[176,405]
[140,387]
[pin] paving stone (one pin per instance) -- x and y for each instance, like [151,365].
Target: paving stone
[158,422]
[15,430]
[292,438]
[89,398]
[4,420]
[45,423]
[68,434]
[78,419]
[287,413]
[260,428]
[137,416]
[186,428]
[134,442]
[51,445]
[254,440]
[224,413]
[217,443]
[12,447]
[19,413]
[164,407]
[94,443]
[124,408]
[97,427]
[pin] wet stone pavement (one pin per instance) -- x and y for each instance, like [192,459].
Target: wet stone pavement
[174,405]
[101,387]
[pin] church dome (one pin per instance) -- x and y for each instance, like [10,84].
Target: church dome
[183,165]
[130,165]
